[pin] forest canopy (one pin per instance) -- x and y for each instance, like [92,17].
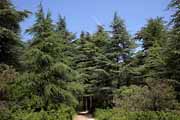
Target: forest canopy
[47,77]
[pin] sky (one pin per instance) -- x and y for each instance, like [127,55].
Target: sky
[86,14]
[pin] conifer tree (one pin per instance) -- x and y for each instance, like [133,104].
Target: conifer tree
[10,44]
[173,46]
[173,50]
[43,26]
[119,51]
[154,31]
[121,43]
[101,39]
[66,39]
[61,29]
[154,38]
[93,65]
[49,81]
[155,63]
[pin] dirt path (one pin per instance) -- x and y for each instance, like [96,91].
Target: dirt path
[83,117]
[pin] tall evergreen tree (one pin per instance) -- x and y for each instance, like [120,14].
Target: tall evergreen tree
[173,50]
[43,26]
[173,46]
[121,43]
[101,39]
[48,81]
[10,44]
[119,51]
[154,38]
[93,65]
[154,31]
[67,39]
[61,28]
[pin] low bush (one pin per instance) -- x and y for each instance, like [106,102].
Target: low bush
[63,113]
[5,114]
[155,96]
[116,114]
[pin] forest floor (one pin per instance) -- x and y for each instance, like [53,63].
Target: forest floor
[84,117]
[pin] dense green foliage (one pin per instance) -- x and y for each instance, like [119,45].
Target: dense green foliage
[63,113]
[46,77]
[10,44]
[117,114]
[160,97]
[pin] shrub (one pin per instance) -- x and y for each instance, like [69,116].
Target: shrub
[131,98]
[117,114]
[155,96]
[7,76]
[63,113]
[5,114]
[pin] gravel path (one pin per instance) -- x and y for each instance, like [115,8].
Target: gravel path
[83,117]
